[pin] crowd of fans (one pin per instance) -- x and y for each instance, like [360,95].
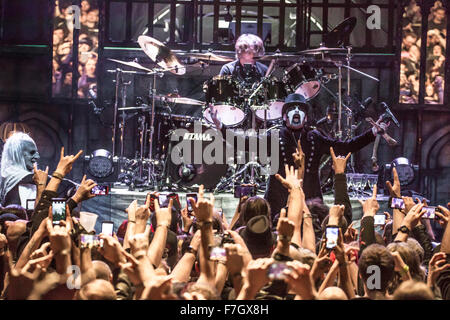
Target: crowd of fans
[87,48]
[165,251]
[435,59]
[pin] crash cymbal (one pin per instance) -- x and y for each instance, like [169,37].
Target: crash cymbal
[279,56]
[208,56]
[338,36]
[131,64]
[161,54]
[322,49]
[174,98]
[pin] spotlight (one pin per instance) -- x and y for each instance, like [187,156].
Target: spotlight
[100,163]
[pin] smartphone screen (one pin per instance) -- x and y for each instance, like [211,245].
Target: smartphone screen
[89,241]
[100,190]
[107,227]
[276,271]
[58,210]
[30,204]
[163,203]
[397,203]
[218,253]
[380,220]
[332,237]
[188,203]
[430,213]
[242,191]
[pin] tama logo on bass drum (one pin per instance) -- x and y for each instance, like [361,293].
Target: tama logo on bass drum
[197,136]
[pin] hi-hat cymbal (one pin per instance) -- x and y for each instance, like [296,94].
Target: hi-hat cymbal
[208,56]
[321,50]
[174,98]
[131,64]
[337,36]
[279,56]
[161,54]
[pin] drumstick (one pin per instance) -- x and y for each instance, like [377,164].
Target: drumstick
[269,71]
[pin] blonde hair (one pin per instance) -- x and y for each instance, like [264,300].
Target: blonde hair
[248,42]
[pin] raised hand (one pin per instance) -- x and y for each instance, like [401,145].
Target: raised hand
[413,216]
[339,163]
[437,264]
[444,215]
[66,162]
[111,249]
[187,220]
[299,160]
[164,215]
[285,228]
[84,190]
[40,177]
[370,206]
[336,212]
[204,208]
[291,181]
[299,278]
[394,190]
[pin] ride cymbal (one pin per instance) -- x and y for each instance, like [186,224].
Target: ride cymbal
[338,36]
[131,64]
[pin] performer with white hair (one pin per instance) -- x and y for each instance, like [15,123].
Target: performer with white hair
[245,69]
[18,170]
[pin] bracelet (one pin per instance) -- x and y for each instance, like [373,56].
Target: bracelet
[191,250]
[404,270]
[282,238]
[57,175]
[204,223]
[307,216]
[64,252]
[131,221]
[163,225]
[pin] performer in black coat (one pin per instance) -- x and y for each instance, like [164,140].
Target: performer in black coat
[314,145]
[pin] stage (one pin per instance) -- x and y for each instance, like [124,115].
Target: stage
[112,206]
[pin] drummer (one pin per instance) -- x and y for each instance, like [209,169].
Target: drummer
[245,69]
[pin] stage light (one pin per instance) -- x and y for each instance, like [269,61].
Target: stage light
[100,163]
[405,170]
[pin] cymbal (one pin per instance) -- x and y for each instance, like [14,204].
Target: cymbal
[173,98]
[131,64]
[161,54]
[209,56]
[340,33]
[321,50]
[279,56]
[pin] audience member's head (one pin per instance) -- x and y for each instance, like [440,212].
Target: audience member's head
[413,290]
[97,289]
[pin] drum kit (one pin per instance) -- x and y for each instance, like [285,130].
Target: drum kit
[236,106]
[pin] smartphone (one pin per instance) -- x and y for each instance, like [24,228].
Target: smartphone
[100,190]
[430,213]
[163,200]
[218,254]
[380,220]
[242,191]
[89,241]
[58,210]
[108,227]
[176,200]
[30,204]
[152,202]
[332,234]
[397,203]
[276,271]
[188,203]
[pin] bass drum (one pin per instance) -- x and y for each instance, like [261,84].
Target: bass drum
[194,156]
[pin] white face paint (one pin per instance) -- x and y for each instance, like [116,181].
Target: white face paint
[296,116]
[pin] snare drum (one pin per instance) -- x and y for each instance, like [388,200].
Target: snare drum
[222,93]
[303,79]
[276,93]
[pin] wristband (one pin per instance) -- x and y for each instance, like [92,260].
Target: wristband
[404,270]
[191,250]
[283,238]
[57,175]
[204,223]
[64,252]
[131,221]
[163,225]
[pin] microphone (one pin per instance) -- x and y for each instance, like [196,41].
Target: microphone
[366,103]
[388,113]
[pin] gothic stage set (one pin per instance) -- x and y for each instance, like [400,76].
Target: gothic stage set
[120,79]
